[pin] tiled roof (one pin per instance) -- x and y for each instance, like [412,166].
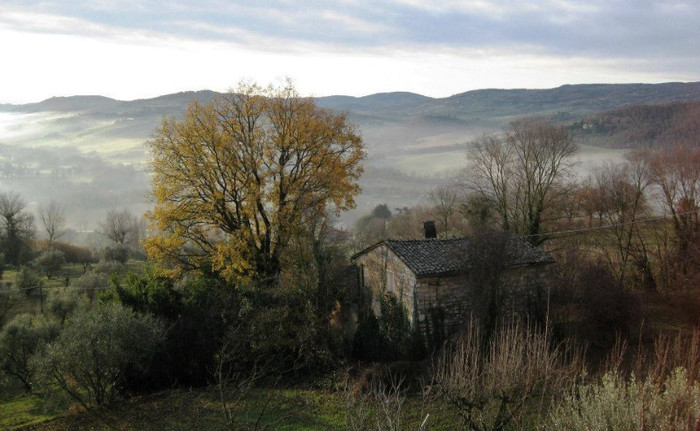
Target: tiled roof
[442,256]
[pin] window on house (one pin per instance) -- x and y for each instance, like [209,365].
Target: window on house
[389,282]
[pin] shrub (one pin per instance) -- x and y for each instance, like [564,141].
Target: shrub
[280,324]
[388,337]
[108,267]
[91,282]
[20,339]
[490,382]
[61,303]
[150,293]
[76,254]
[27,280]
[381,406]
[630,404]
[7,302]
[368,344]
[197,313]
[97,351]
[609,310]
[118,253]
[50,262]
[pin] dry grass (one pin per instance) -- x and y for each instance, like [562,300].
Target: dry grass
[492,381]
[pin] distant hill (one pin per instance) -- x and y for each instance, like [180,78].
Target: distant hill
[390,122]
[639,126]
[379,101]
[574,99]
[413,142]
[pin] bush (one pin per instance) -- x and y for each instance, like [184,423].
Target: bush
[150,293]
[368,343]
[62,303]
[388,337]
[50,262]
[90,283]
[76,254]
[98,350]
[7,302]
[197,313]
[610,312]
[118,253]
[27,280]
[616,403]
[20,339]
[108,267]
[281,325]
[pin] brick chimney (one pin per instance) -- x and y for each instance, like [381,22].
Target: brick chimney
[429,229]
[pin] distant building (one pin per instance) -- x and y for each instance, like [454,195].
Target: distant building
[458,276]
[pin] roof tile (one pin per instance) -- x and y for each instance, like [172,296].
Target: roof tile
[441,256]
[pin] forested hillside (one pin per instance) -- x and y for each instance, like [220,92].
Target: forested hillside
[644,126]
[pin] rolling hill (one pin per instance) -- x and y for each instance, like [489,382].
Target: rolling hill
[407,135]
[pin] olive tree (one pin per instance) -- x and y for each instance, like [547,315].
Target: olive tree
[20,340]
[50,262]
[90,359]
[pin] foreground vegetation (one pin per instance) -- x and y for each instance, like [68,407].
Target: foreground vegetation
[246,314]
[285,409]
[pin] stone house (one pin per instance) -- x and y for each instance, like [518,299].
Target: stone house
[459,277]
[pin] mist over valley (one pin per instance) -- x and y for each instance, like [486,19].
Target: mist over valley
[90,152]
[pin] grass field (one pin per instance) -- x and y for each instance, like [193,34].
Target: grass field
[24,410]
[277,409]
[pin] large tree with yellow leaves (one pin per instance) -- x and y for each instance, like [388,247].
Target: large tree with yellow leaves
[235,179]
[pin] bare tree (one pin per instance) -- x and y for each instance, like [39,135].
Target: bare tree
[676,173]
[524,173]
[623,189]
[445,200]
[490,174]
[122,227]
[16,228]
[591,201]
[53,220]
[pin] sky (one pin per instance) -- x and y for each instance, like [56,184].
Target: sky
[131,49]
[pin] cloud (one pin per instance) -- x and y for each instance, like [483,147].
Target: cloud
[562,27]
[130,48]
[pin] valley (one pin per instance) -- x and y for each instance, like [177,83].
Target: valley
[91,153]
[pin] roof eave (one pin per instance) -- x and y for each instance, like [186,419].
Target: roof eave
[367,250]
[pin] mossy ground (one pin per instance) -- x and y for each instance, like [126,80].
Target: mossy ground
[282,409]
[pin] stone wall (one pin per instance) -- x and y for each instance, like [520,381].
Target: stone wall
[456,299]
[378,266]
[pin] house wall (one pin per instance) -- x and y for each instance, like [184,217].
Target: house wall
[375,265]
[457,299]
[455,295]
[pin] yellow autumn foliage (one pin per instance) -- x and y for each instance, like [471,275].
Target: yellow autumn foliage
[233,179]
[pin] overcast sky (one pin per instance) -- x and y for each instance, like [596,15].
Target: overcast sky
[128,49]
